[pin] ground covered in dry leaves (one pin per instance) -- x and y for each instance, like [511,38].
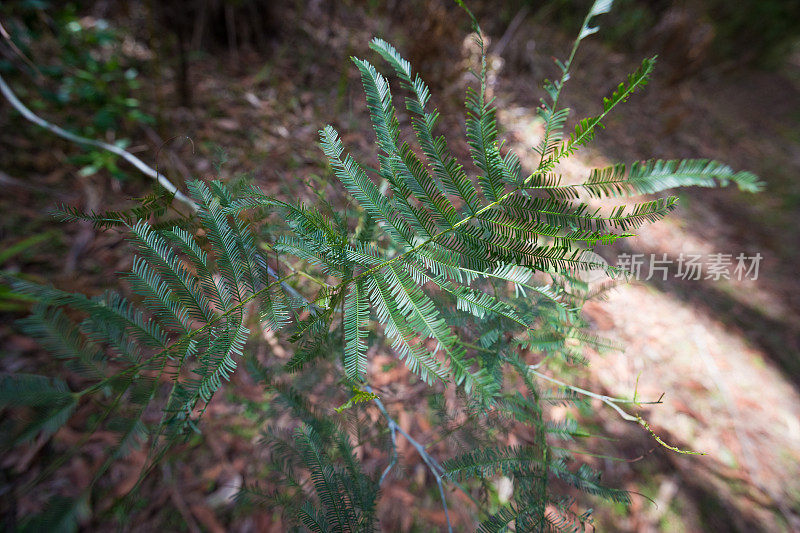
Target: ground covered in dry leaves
[724,353]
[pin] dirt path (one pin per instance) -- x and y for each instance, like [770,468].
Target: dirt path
[725,353]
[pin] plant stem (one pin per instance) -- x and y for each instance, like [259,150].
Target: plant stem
[612,402]
[435,468]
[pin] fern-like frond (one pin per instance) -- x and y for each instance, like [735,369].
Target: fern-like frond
[481,304]
[359,396]
[52,401]
[227,250]
[313,519]
[217,292]
[152,205]
[470,286]
[363,189]
[446,168]
[110,309]
[158,296]
[489,462]
[414,354]
[566,215]
[32,390]
[424,317]
[61,337]
[219,362]
[599,7]
[482,139]
[356,314]
[337,504]
[499,522]
[653,176]
[586,128]
[587,480]
[61,514]
[275,308]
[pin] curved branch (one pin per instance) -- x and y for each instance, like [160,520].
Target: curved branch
[433,465]
[140,165]
[129,157]
[612,402]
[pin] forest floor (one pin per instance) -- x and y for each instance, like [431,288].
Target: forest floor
[726,354]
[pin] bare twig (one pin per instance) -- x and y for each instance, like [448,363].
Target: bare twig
[4,33]
[132,159]
[288,288]
[612,402]
[510,31]
[433,465]
[393,460]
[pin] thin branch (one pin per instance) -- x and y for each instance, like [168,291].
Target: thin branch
[4,33]
[612,402]
[608,400]
[511,30]
[433,465]
[140,165]
[393,460]
[288,288]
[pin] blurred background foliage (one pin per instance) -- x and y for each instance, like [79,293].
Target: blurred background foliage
[84,72]
[748,32]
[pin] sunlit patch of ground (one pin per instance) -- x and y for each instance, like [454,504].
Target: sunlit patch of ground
[723,395]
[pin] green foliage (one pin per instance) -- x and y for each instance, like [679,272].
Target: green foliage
[156,205]
[338,495]
[359,396]
[8,300]
[51,400]
[467,283]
